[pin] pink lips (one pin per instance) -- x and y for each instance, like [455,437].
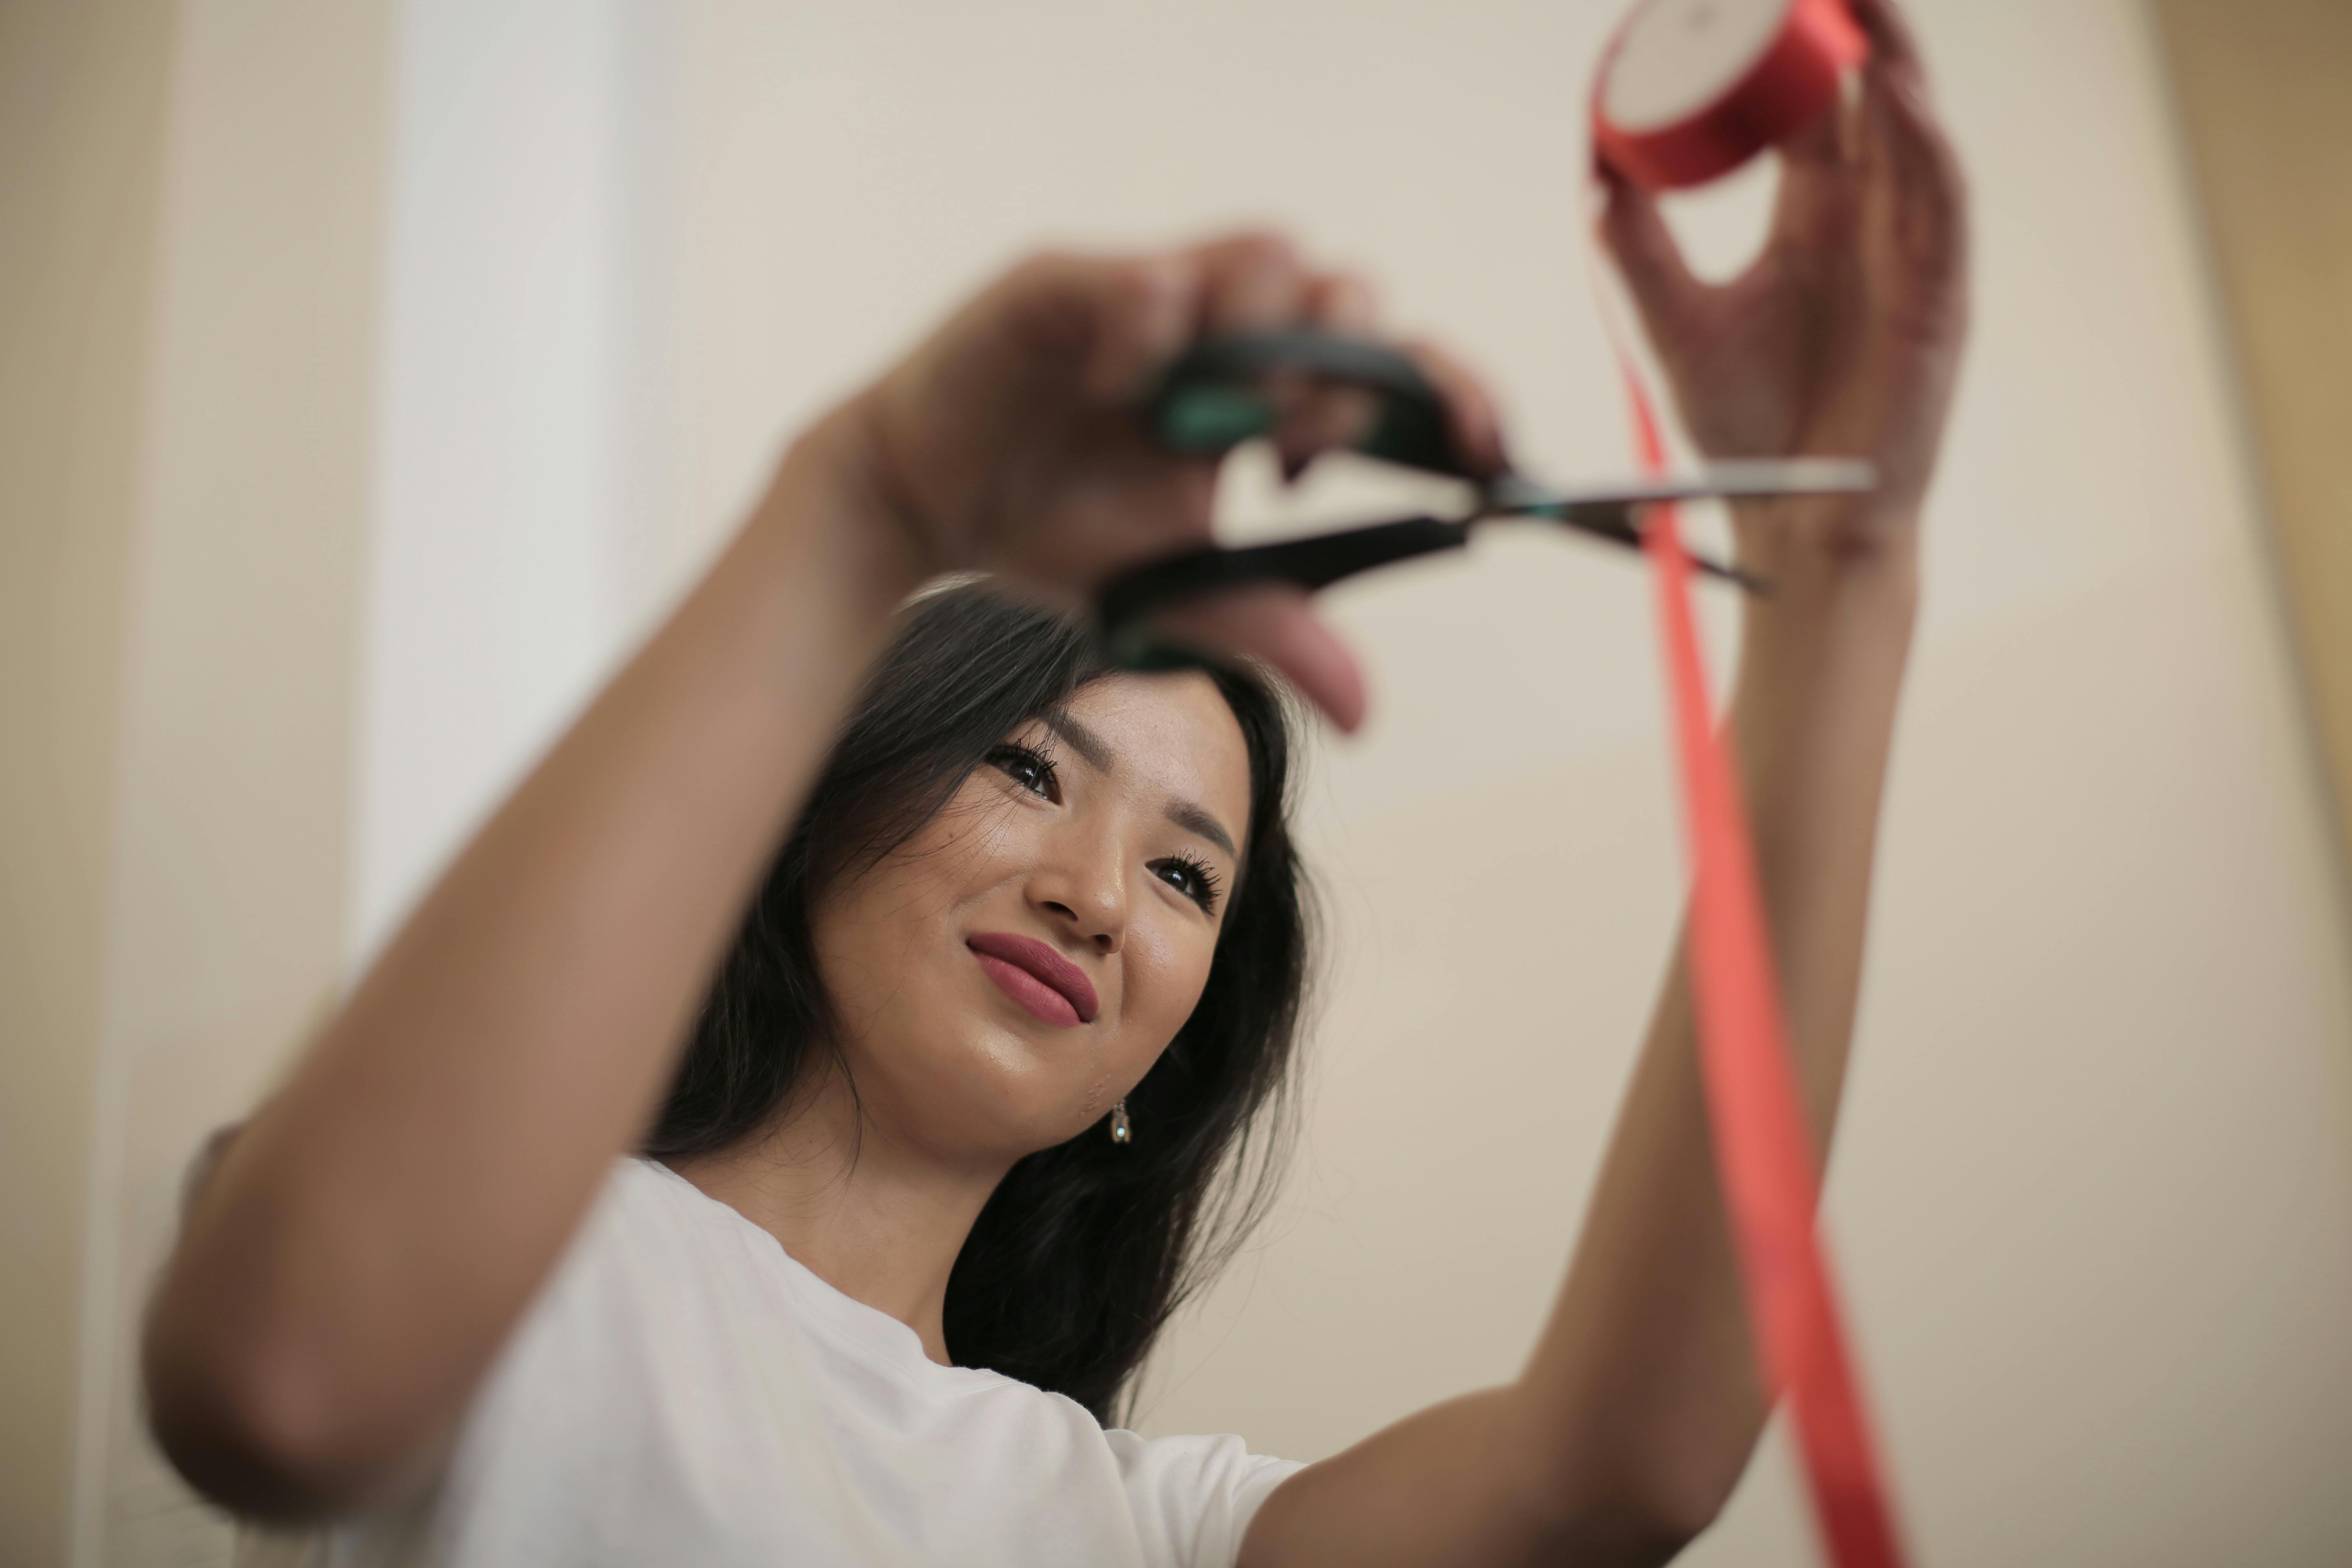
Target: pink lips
[1048,986]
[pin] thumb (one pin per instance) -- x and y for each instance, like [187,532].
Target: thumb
[1273,621]
[1635,233]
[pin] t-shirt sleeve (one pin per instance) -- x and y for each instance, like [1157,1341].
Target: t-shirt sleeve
[1193,1497]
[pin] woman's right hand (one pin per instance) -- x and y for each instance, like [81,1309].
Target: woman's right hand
[1009,442]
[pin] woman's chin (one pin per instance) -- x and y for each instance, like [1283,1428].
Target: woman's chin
[1002,1097]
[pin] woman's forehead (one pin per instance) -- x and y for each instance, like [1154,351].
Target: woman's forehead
[1172,734]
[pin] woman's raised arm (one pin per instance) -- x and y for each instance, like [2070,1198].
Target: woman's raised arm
[1640,1405]
[349,1271]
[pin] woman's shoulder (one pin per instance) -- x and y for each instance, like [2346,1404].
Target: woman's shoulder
[648,1229]
[1192,1497]
[658,1261]
[646,1213]
[644,1265]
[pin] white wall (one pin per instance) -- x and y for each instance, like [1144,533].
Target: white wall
[511,422]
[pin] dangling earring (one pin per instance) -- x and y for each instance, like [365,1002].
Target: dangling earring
[1121,1130]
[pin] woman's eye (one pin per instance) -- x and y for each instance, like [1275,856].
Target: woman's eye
[1033,771]
[1191,878]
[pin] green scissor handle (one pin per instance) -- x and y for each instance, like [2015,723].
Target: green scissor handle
[1215,397]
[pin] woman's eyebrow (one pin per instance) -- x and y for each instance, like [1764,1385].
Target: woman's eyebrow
[1083,741]
[1098,756]
[1191,818]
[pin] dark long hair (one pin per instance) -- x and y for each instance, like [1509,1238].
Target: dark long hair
[1088,1247]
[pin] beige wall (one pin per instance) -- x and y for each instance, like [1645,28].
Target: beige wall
[2095,1195]
[192,212]
[81,141]
[2261,85]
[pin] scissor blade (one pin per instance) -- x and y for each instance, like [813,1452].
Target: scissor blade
[1759,586]
[1615,524]
[1738,479]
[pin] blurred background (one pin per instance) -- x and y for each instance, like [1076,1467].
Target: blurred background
[372,375]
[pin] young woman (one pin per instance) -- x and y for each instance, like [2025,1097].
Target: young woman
[934,1155]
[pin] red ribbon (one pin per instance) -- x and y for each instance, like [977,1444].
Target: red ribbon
[1790,83]
[1771,1186]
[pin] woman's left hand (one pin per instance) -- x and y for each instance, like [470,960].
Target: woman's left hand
[1842,337]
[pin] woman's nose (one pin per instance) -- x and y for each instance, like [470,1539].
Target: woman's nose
[1086,895]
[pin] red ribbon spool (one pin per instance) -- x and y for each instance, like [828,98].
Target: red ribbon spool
[1690,90]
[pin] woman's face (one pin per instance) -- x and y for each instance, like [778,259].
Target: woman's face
[1016,967]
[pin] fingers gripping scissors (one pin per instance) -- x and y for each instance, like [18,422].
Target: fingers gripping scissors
[1222,393]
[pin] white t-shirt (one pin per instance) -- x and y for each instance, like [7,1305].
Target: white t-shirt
[684,1393]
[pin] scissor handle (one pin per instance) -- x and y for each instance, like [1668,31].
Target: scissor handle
[1212,398]
[1315,561]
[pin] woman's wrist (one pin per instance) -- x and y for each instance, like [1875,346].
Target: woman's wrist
[829,514]
[1822,663]
[1834,567]
[1835,622]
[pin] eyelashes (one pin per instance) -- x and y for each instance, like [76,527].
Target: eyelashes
[1030,768]
[1036,773]
[1190,876]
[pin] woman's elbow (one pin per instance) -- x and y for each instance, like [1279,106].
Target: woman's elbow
[1624,1534]
[246,1423]
[250,1411]
[1625,1518]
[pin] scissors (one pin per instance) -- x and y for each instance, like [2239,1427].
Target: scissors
[1224,391]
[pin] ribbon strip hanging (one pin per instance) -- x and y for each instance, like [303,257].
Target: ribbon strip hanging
[1763,1153]
[1689,89]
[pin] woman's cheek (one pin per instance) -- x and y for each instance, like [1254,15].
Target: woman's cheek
[1168,969]
[977,827]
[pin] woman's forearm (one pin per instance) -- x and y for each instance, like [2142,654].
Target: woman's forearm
[351,1268]
[1642,1394]
[1640,1407]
